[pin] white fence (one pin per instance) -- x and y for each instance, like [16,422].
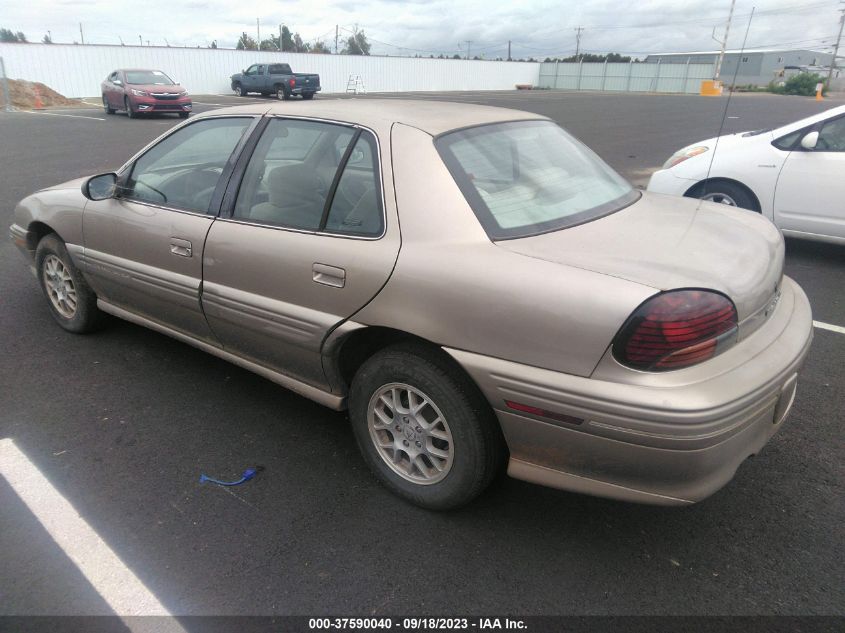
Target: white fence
[625,77]
[77,71]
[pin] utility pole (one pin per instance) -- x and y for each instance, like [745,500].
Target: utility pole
[81,36]
[578,31]
[836,48]
[469,44]
[281,45]
[140,41]
[335,39]
[724,42]
[509,50]
[258,32]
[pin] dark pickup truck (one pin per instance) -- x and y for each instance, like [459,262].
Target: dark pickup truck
[275,79]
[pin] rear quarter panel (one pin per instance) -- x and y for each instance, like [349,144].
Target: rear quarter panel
[456,288]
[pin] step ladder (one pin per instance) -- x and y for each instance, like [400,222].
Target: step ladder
[355,85]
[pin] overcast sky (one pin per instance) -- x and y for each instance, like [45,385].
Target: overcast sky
[538,28]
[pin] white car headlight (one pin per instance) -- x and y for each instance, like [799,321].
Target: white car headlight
[681,155]
[140,93]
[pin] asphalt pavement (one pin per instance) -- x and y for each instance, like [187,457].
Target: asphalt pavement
[122,423]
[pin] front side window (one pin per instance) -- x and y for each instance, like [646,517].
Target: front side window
[148,77]
[290,179]
[252,70]
[183,170]
[832,136]
[530,177]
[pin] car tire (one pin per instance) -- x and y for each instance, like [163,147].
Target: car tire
[443,455]
[184,115]
[129,111]
[239,90]
[71,301]
[727,193]
[308,95]
[282,93]
[106,106]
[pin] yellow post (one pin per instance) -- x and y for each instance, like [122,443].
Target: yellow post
[819,87]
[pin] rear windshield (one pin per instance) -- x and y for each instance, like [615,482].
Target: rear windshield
[147,77]
[530,177]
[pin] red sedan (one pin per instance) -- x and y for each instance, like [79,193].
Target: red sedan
[141,91]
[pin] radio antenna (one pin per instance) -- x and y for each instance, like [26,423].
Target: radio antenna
[730,93]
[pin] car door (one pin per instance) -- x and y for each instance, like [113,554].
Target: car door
[811,187]
[143,249]
[301,249]
[114,89]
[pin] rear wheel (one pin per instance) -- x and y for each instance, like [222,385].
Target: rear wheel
[307,95]
[106,106]
[423,427]
[727,193]
[72,302]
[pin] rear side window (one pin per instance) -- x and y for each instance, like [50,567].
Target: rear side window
[531,177]
[313,176]
[280,69]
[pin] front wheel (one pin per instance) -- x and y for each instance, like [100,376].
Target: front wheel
[106,106]
[129,111]
[423,427]
[72,302]
[184,115]
[726,193]
[239,90]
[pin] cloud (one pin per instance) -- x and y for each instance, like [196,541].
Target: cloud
[535,28]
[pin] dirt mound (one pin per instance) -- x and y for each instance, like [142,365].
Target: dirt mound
[24,92]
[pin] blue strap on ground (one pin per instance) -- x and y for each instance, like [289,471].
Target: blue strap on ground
[249,473]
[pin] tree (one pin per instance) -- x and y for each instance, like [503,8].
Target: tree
[213,44]
[6,35]
[47,40]
[269,44]
[357,44]
[246,43]
[456,56]
[321,48]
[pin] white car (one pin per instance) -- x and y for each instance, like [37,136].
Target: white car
[794,175]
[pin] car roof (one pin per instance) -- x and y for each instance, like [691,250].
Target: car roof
[433,117]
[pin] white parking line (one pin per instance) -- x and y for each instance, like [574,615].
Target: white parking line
[827,326]
[114,581]
[73,116]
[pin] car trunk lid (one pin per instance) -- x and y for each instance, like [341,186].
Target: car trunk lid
[668,242]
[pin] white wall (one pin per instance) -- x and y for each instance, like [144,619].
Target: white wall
[77,71]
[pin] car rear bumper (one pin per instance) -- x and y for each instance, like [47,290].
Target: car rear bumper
[305,89]
[669,445]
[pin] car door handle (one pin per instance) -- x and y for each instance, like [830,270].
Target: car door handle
[329,275]
[180,247]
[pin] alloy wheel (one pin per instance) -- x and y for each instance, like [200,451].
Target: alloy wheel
[60,288]
[410,433]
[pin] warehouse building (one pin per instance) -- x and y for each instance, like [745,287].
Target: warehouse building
[756,67]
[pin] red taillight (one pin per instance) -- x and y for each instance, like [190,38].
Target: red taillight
[676,329]
[292,82]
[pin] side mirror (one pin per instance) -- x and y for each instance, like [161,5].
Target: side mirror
[810,140]
[117,82]
[100,187]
